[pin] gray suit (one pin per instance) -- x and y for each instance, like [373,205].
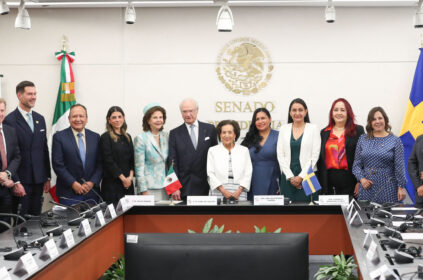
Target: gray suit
[415,167]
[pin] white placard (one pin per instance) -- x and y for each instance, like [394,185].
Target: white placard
[404,216]
[353,210]
[269,200]
[99,219]
[67,239]
[140,200]
[84,228]
[333,199]
[201,200]
[398,223]
[49,250]
[4,275]
[381,272]
[355,216]
[372,254]
[110,212]
[366,238]
[413,237]
[122,205]
[27,263]
[372,231]
[132,238]
[403,209]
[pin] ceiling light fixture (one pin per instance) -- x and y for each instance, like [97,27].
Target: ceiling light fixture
[130,15]
[330,13]
[225,19]
[22,19]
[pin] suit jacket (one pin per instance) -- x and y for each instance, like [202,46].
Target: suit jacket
[35,163]
[12,150]
[190,164]
[67,162]
[415,166]
[310,149]
[350,145]
[150,161]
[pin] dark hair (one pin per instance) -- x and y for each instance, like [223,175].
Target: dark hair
[369,128]
[350,124]
[109,127]
[20,88]
[78,105]
[299,101]
[235,125]
[253,137]
[149,113]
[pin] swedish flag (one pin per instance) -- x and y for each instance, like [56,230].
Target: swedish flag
[413,120]
[310,183]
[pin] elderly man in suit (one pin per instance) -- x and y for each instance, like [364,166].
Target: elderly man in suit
[188,147]
[33,176]
[415,170]
[76,159]
[9,162]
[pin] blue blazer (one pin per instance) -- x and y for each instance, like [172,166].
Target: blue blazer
[35,163]
[190,164]
[67,162]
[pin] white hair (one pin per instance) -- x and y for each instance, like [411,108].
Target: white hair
[188,99]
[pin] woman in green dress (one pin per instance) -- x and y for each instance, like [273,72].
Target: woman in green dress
[298,149]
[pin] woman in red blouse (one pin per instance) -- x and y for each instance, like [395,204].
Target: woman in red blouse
[339,140]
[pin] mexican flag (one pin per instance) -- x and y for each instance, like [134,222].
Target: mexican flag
[171,183]
[65,99]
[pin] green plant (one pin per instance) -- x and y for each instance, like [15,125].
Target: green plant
[116,270]
[341,269]
[207,228]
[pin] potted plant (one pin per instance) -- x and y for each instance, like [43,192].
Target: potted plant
[341,269]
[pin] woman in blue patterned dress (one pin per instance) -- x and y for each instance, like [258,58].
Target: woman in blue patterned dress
[379,161]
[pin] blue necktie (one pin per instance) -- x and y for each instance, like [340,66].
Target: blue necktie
[30,121]
[81,147]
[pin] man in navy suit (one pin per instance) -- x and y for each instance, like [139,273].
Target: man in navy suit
[9,162]
[76,159]
[33,175]
[188,147]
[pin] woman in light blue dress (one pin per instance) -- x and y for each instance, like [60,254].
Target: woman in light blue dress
[379,161]
[151,150]
[261,141]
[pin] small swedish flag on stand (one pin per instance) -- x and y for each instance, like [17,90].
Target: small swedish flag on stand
[310,182]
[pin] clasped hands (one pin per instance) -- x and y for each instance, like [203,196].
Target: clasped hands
[296,182]
[5,181]
[83,188]
[227,194]
[366,183]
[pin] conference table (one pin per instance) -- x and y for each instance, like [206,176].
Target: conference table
[328,228]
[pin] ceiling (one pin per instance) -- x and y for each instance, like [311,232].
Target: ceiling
[210,3]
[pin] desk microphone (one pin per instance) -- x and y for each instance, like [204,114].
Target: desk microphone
[88,213]
[74,222]
[97,205]
[102,203]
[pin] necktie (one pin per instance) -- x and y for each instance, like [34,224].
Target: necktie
[193,138]
[3,152]
[30,121]
[81,147]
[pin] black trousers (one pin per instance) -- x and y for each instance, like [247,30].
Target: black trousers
[32,202]
[5,205]
[341,182]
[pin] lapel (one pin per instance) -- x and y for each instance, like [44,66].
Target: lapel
[185,134]
[153,142]
[71,136]
[201,136]
[20,121]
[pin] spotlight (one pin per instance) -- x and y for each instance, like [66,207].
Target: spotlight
[225,19]
[4,9]
[330,13]
[418,20]
[130,15]
[22,19]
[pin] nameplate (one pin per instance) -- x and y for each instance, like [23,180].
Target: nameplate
[352,203]
[67,239]
[110,212]
[373,254]
[381,273]
[4,275]
[353,210]
[366,238]
[404,209]
[132,238]
[413,237]
[26,263]
[398,223]
[140,200]
[84,228]
[123,205]
[201,200]
[354,217]
[99,219]
[49,250]
[333,199]
[268,200]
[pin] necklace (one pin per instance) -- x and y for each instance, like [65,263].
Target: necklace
[156,135]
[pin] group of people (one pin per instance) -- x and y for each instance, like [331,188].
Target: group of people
[368,164]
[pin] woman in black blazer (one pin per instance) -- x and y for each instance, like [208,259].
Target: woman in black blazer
[117,156]
[339,140]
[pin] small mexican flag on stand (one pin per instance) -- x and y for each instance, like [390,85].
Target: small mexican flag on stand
[171,182]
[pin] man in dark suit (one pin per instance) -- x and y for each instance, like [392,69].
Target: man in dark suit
[9,162]
[188,147]
[33,175]
[76,159]
[415,170]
